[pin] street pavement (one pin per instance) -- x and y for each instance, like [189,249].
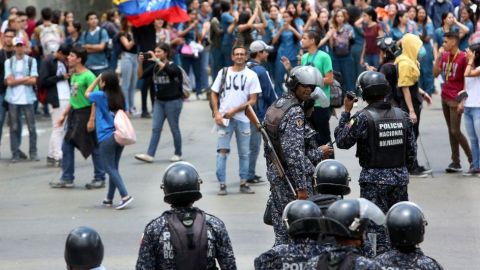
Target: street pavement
[35,219]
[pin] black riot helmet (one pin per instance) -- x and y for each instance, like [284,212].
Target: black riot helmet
[83,249]
[389,47]
[331,177]
[405,224]
[301,217]
[372,84]
[349,218]
[181,184]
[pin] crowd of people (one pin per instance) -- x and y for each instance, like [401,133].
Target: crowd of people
[285,61]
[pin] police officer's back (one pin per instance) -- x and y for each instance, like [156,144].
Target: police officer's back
[184,237]
[347,220]
[406,228]
[84,249]
[302,221]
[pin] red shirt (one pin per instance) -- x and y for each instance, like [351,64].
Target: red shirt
[31,24]
[453,70]
[371,35]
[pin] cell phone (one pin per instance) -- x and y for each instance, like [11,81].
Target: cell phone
[146,55]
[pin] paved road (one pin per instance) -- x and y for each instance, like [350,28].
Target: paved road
[35,219]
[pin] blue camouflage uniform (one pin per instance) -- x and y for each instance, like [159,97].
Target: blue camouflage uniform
[298,153]
[382,186]
[292,256]
[397,260]
[156,250]
[361,263]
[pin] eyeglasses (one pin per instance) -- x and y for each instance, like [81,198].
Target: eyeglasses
[239,54]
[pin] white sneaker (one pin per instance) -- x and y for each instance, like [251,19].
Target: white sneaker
[144,158]
[176,158]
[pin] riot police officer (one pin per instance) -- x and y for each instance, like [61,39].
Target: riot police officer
[302,220]
[184,237]
[406,227]
[347,221]
[84,249]
[285,126]
[385,146]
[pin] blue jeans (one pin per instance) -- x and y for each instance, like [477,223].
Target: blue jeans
[171,111]
[255,143]
[224,135]
[14,112]
[194,63]
[472,125]
[356,55]
[217,61]
[129,66]
[372,60]
[111,153]
[344,65]
[68,163]
[204,58]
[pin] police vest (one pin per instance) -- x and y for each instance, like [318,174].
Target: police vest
[274,116]
[387,137]
[189,239]
[332,261]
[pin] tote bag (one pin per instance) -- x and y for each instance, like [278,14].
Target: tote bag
[124,133]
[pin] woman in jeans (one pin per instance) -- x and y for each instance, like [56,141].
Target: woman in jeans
[107,102]
[471,106]
[425,31]
[128,64]
[167,79]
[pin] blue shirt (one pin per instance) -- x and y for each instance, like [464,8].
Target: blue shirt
[104,125]
[98,60]
[268,95]
[438,35]
[436,10]
[288,47]
[464,41]
[10,69]
[225,20]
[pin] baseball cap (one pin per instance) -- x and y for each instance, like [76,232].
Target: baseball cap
[259,45]
[17,41]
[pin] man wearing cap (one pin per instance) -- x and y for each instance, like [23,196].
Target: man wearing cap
[54,77]
[20,77]
[258,54]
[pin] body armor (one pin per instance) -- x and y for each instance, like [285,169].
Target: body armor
[387,135]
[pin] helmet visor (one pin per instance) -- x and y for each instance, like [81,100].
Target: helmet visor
[370,211]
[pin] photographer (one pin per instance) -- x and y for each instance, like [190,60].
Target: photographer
[167,82]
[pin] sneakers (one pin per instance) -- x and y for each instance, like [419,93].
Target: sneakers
[145,115]
[95,184]
[418,173]
[175,158]
[22,155]
[245,189]
[107,203]
[34,157]
[453,168]
[255,180]
[424,170]
[144,158]
[61,184]
[50,161]
[124,202]
[472,171]
[223,190]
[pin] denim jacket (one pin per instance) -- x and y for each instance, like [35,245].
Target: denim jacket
[31,96]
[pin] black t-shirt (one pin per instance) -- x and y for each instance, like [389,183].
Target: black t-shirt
[129,37]
[166,82]
[4,55]
[145,37]
[389,69]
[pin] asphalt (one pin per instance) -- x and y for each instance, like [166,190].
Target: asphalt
[35,219]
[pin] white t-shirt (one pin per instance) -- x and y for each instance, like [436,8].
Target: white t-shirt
[238,86]
[472,86]
[19,92]
[63,89]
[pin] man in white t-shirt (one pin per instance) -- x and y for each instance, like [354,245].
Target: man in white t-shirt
[233,91]
[20,77]
[53,78]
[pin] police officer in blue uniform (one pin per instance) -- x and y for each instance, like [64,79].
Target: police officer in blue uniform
[406,228]
[184,237]
[347,221]
[84,250]
[286,128]
[385,146]
[302,220]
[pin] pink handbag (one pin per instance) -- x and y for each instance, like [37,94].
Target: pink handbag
[186,50]
[124,133]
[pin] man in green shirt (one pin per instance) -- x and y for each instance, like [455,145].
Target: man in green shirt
[319,59]
[80,132]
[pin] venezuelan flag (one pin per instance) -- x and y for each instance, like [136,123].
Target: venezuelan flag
[143,12]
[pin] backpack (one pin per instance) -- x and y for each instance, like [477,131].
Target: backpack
[50,38]
[186,85]
[124,133]
[337,94]
[342,43]
[335,261]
